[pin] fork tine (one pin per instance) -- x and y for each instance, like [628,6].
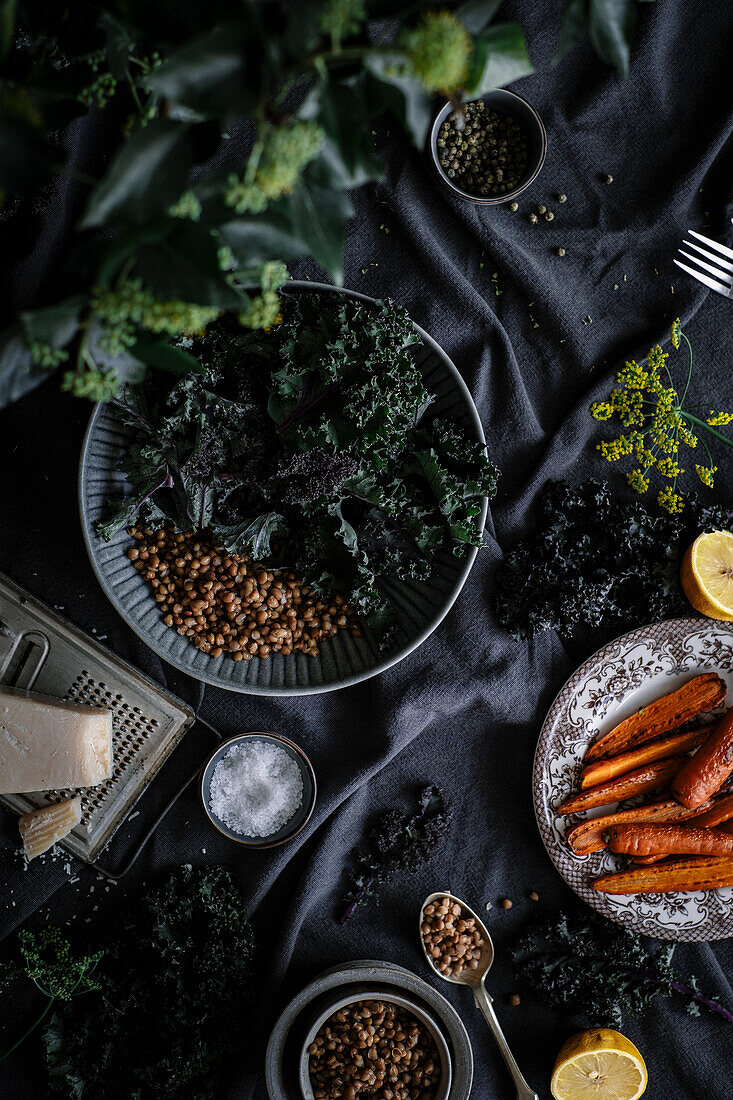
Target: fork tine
[707,267]
[724,264]
[723,249]
[712,283]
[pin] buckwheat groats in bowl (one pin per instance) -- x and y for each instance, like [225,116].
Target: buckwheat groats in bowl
[374,1049]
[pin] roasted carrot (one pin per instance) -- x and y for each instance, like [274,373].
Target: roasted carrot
[667,840]
[694,873]
[720,810]
[709,768]
[698,695]
[587,836]
[650,778]
[675,743]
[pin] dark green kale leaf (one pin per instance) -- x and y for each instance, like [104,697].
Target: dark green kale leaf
[599,970]
[397,842]
[252,537]
[597,559]
[174,1002]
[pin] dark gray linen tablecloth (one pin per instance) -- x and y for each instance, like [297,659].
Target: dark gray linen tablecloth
[465,710]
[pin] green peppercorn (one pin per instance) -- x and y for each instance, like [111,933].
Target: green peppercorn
[514,206]
[609,178]
[561,251]
[549,216]
[485,152]
[541,209]
[533,219]
[562,198]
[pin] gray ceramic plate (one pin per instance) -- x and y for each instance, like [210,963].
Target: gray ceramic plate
[343,660]
[283,1049]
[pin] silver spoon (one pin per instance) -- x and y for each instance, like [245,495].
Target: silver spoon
[476,980]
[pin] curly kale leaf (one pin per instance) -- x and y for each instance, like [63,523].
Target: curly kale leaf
[601,971]
[596,559]
[397,842]
[251,538]
[308,448]
[185,945]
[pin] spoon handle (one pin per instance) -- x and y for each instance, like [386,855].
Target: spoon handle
[485,1003]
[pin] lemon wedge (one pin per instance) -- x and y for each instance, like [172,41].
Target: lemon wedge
[599,1064]
[706,574]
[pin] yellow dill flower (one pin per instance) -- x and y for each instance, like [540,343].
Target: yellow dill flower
[632,376]
[668,467]
[613,449]
[671,501]
[637,481]
[706,475]
[631,409]
[666,443]
[719,417]
[656,423]
[656,358]
[643,456]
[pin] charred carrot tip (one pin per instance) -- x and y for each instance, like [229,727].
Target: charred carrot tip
[672,710]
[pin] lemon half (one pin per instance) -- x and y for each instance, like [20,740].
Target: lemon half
[600,1064]
[706,574]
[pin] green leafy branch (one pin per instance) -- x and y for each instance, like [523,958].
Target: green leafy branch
[50,963]
[179,230]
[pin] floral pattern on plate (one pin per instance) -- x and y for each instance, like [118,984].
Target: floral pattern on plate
[616,681]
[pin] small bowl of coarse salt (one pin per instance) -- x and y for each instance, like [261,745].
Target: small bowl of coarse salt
[258,789]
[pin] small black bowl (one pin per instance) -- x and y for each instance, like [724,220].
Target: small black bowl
[505,103]
[302,815]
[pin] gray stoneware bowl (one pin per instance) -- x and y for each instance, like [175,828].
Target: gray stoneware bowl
[353,981]
[505,103]
[342,660]
[338,1000]
[302,815]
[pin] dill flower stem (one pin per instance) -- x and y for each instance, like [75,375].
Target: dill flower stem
[24,1036]
[689,369]
[706,427]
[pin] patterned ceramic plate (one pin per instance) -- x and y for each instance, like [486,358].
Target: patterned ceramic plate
[616,681]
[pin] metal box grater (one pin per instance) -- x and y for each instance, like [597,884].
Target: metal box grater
[39,649]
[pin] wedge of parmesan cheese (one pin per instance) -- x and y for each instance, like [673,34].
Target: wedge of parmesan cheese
[41,829]
[49,744]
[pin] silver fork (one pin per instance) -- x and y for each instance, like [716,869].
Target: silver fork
[720,265]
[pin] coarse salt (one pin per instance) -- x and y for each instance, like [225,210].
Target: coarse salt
[255,788]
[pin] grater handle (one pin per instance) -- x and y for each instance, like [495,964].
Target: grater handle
[115,876]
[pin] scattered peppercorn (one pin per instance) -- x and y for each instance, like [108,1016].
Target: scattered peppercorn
[451,938]
[506,903]
[549,216]
[533,219]
[561,251]
[514,206]
[229,606]
[515,999]
[482,151]
[609,179]
[562,198]
[373,1048]
[541,209]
